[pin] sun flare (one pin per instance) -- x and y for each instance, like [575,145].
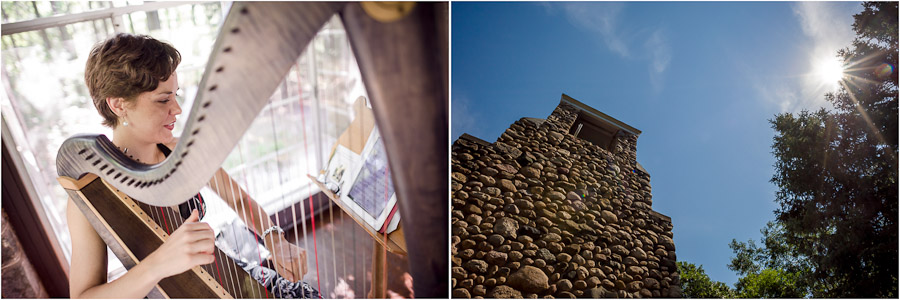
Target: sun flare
[830,71]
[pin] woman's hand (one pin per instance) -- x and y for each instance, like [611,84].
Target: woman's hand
[290,260]
[190,245]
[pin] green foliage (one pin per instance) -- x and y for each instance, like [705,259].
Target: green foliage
[696,284]
[759,265]
[747,257]
[758,282]
[836,172]
[771,283]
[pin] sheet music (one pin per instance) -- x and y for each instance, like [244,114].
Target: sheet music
[342,162]
[368,189]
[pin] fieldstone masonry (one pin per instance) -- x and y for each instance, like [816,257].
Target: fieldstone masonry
[20,280]
[542,213]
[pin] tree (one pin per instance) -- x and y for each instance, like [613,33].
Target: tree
[770,283]
[770,271]
[836,172]
[696,284]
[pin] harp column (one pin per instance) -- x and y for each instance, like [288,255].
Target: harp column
[404,64]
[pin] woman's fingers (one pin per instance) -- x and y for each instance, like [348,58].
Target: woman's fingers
[196,226]
[284,272]
[290,268]
[305,267]
[203,245]
[202,259]
[294,271]
[291,261]
[301,263]
[195,216]
[291,276]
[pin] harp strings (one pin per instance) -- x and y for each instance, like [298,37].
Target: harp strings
[306,154]
[364,276]
[293,207]
[384,267]
[249,206]
[230,273]
[300,202]
[243,211]
[306,161]
[169,216]
[249,209]
[226,273]
[262,218]
[280,251]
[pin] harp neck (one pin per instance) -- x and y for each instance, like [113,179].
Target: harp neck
[241,74]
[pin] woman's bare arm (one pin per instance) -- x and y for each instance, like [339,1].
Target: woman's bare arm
[190,245]
[88,271]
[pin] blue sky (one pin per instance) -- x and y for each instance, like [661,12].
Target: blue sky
[700,80]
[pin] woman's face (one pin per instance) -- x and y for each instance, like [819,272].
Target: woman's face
[151,117]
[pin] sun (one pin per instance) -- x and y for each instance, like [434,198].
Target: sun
[830,71]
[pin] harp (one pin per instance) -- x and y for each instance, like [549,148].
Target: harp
[403,63]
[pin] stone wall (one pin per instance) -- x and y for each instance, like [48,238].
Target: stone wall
[19,277]
[542,213]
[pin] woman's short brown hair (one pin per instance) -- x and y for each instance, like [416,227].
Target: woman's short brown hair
[126,65]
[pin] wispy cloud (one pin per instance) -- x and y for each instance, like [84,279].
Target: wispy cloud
[782,94]
[462,117]
[828,26]
[660,56]
[826,23]
[601,18]
[604,20]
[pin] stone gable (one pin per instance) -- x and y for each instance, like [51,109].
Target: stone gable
[542,212]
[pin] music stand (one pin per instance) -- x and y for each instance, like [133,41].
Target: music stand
[354,138]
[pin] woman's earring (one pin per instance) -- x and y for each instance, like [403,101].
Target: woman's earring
[125,122]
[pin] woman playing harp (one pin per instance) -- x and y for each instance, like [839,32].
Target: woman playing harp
[133,84]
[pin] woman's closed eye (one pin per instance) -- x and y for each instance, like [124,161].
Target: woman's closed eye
[172,96]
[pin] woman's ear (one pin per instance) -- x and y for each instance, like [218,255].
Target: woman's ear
[117,105]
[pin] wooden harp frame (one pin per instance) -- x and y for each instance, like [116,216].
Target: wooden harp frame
[404,66]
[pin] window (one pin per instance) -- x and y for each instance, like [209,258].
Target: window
[596,131]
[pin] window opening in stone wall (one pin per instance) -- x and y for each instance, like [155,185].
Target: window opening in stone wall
[595,130]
